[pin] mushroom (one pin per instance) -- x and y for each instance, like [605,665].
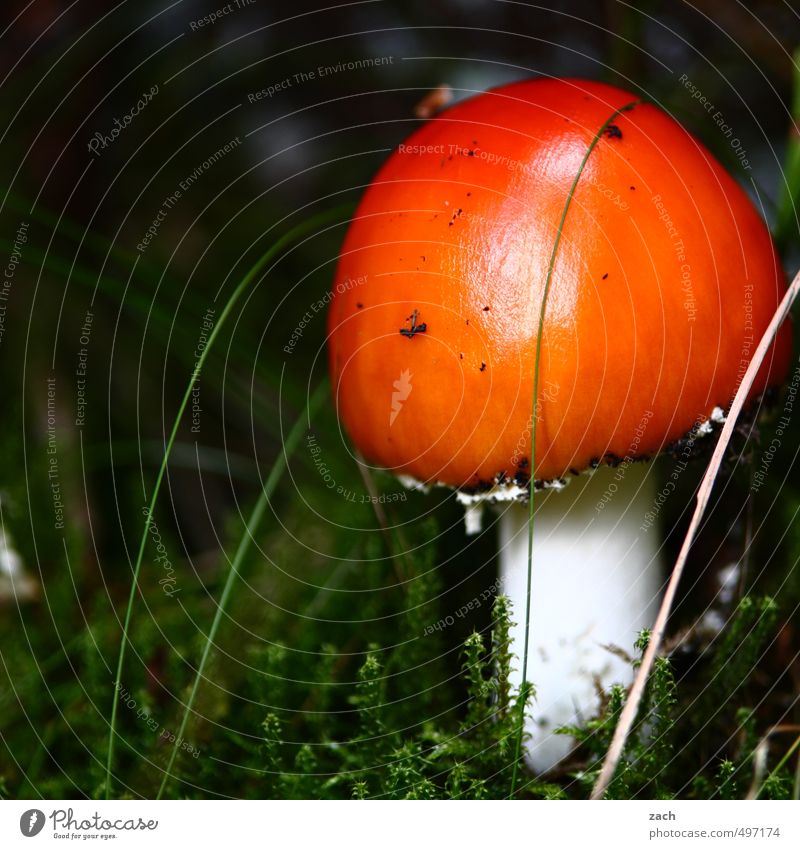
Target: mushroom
[573,207]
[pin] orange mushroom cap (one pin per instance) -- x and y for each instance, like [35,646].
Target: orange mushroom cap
[664,280]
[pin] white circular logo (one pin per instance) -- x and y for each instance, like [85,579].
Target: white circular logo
[31,822]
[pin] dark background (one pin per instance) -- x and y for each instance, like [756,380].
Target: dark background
[322,573]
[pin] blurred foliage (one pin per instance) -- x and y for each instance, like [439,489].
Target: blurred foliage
[323,681]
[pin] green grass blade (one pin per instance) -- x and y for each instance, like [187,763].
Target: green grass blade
[65,226]
[779,766]
[250,530]
[306,226]
[531,500]
[116,290]
[786,220]
[151,312]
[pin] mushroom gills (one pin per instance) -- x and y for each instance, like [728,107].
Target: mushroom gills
[596,583]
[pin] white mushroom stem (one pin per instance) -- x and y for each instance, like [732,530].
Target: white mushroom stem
[595,584]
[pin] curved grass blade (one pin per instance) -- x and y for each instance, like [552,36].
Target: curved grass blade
[304,227]
[65,226]
[116,289]
[628,715]
[150,311]
[760,756]
[524,688]
[253,522]
[786,220]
